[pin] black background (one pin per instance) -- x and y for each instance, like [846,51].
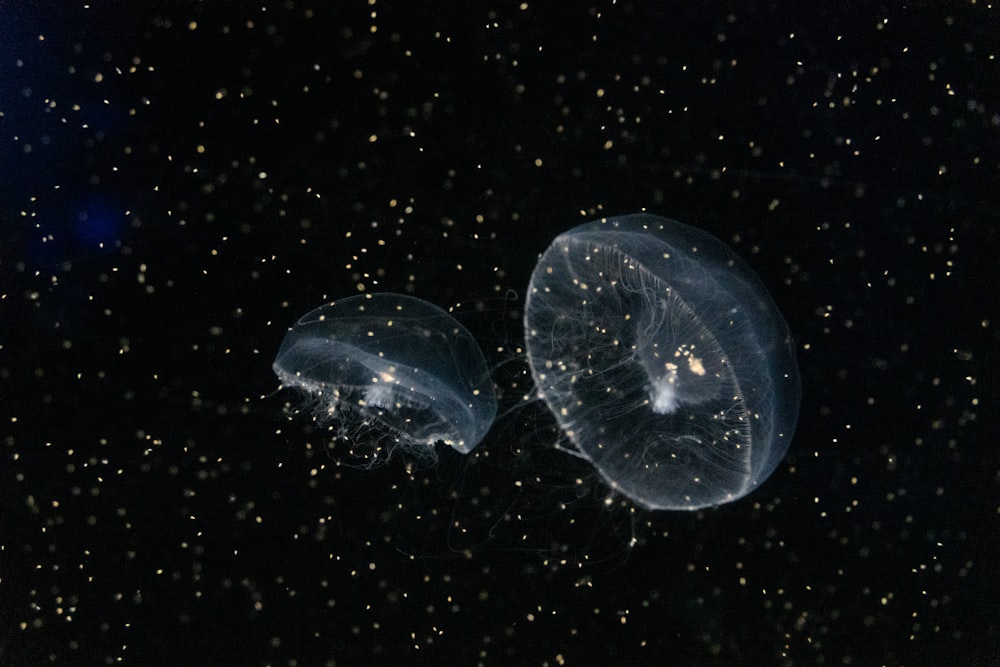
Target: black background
[181,181]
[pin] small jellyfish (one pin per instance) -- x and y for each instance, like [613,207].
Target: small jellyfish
[400,364]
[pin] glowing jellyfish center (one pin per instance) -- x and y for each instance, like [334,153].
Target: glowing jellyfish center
[379,394]
[663,393]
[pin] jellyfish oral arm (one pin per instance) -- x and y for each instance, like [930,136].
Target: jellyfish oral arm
[663,395]
[379,396]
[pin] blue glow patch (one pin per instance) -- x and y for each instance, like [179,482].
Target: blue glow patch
[97,224]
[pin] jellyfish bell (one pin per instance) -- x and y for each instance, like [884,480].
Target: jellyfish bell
[664,360]
[394,364]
